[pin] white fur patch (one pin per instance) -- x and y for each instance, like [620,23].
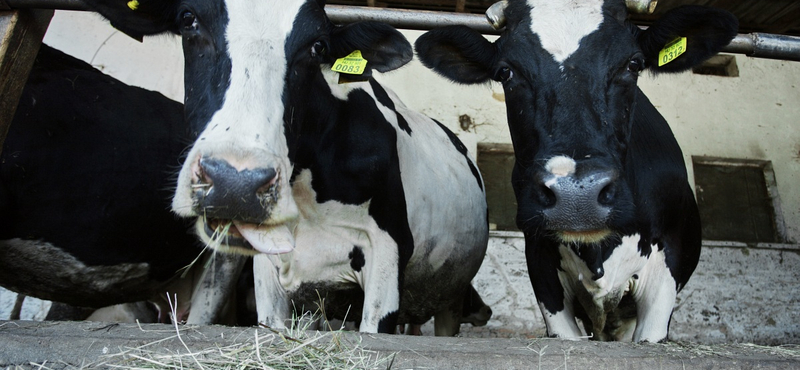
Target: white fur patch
[447,224]
[653,289]
[561,25]
[340,91]
[247,131]
[559,166]
[325,235]
[624,262]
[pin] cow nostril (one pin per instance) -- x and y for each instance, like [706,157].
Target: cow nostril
[202,176]
[607,194]
[547,197]
[269,177]
[237,183]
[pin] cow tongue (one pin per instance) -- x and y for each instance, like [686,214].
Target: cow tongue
[267,239]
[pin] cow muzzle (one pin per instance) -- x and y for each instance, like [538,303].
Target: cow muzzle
[248,239]
[241,210]
[577,208]
[223,192]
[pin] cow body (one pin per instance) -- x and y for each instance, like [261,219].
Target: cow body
[342,192]
[85,187]
[611,225]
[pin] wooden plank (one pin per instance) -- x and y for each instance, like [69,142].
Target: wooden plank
[503,148]
[21,33]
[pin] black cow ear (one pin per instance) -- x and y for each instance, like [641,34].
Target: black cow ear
[458,53]
[137,18]
[383,47]
[706,31]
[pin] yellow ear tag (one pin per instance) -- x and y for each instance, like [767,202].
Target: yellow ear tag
[671,51]
[133,4]
[353,64]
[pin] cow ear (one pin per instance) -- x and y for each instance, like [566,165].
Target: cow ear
[707,31]
[137,18]
[458,53]
[383,47]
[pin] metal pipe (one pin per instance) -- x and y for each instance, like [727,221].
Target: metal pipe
[641,6]
[48,4]
[496,14]
[766,45]
[408,19]
[757,45]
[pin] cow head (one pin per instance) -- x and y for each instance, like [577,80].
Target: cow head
[251,68]
[569,71]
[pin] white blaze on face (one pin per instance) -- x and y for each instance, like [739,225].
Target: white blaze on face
[559,166]
[561,25]
[248,130]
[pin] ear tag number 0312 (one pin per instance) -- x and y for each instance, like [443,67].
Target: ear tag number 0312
[673,50]
[353,64]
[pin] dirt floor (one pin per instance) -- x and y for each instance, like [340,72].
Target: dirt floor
[91,345]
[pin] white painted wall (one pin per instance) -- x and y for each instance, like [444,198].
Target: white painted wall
[754,116]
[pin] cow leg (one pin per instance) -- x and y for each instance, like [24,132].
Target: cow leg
[655,296]
[555,299]
[447,322]
[16,311]
[130,313]
[381,284]
[625,331]
[561,324]
[474,310]
[64,312]
[411,329]
[272,302]
[216,289]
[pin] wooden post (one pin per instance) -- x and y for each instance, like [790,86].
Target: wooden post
[461,6]
[21,33]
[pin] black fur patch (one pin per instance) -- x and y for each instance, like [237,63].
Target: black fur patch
[388,324]
[463,150]
[75,123]
[357,260]
[384,99]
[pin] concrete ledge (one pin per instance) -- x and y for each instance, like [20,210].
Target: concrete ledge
[66,345]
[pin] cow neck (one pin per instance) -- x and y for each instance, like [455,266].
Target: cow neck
[311,115]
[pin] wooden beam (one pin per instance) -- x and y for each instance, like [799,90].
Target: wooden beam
[500,148]
[786,22]
[460,5]
[21,33]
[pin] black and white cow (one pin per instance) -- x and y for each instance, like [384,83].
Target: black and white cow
[611,226]
[356,198]
[85,179]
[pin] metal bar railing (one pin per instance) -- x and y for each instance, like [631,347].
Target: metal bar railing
[758,45]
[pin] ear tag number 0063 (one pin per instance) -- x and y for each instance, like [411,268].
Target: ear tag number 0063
[673,50]
[353,64]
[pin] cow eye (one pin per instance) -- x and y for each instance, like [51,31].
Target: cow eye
[188,21]
[635,65]
[318,49]
[504,74]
